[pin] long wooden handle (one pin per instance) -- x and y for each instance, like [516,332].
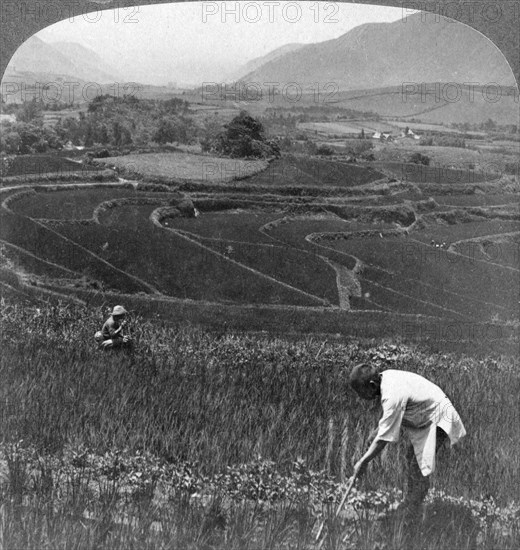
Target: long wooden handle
[346,494]
[338,510]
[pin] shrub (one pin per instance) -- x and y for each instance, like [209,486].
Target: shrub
[184,205]
[419,158]
[325,150]
[426,140]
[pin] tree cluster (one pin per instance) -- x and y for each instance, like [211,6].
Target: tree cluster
[244,137]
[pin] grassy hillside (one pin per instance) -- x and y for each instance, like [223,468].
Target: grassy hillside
[169,437]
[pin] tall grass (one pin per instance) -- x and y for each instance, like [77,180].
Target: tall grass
[185,396]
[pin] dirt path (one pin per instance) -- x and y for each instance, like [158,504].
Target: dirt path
[347,283]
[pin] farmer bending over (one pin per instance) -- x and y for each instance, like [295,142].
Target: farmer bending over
[111,335]
[426,414]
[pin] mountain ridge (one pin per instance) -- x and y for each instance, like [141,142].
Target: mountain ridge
[375,55]
[54,59]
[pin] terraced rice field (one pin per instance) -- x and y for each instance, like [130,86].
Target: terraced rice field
[502,249]
[177,266]
[67,205]
[477,200]
[462,231]
[418,173]
[435,278]
[41,164]
[298,172]
[278,250]
[234,224]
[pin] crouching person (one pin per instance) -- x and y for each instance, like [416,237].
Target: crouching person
[111,336]
[424,412]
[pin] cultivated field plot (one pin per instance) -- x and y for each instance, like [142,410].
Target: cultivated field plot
[185,166]
[303,171]
[41,164]
[234,224]
[477,200]
[421,127]
[46,244]
[280,248]
[498,249]
[418,173]
[341,128]
[463,231]
[250,405]
[409,276]
[435,278]
[66,204]
[293,230]
[177,266]
[300,269]
[412,101]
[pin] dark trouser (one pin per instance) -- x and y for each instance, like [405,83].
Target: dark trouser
[418,485]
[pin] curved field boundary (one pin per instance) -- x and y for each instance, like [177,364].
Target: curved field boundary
[148,286]
[347,284]
[444,335]
[8,291]
[184,166]
[428,110]
[319,239]
[22,190]
[146,198]
[39,163]
[265,229]
[315,238]
[52,177]
[47,294]
[357,275]
[288,190]
[34,257]
[105,206]
[485,262]
[155,218]
[58,223]
[452,313]
[460,215]
[360,266]
[73,185]
[18,230]
[299,258]
[6,203]
[420,174]
[496,238]
[496,212]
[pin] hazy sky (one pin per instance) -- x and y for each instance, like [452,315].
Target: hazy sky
[190,41]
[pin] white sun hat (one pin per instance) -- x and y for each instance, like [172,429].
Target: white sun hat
[119,310]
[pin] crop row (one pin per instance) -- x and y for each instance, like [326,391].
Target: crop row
[49,245]
[418,270]
[174,264]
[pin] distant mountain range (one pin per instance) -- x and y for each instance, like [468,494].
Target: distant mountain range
[258,62]
[64,59]
[376,55]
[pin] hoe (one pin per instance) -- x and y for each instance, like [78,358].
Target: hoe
[321,539]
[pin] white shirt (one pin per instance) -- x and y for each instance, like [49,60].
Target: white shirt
[411,401]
